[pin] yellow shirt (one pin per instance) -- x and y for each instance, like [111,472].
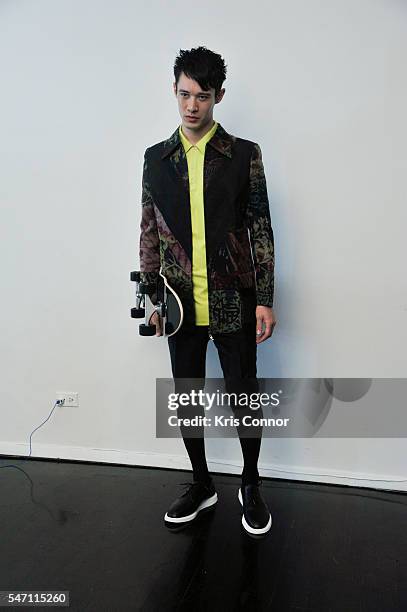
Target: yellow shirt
[195,157]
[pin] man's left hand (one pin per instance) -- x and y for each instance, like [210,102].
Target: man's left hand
[266,321]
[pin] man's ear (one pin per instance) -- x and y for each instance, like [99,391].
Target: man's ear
[220,95]
[174,87]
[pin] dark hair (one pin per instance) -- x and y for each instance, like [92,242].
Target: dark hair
[202,65]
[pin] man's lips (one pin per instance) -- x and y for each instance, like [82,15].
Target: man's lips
[192,118]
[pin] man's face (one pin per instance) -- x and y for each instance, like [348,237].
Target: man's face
[195,105]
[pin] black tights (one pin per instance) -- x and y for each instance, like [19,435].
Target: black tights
[238,356]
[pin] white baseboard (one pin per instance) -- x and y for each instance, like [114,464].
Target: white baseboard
[386,482]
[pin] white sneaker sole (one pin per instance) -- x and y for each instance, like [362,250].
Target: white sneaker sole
[206,503]
[247,526]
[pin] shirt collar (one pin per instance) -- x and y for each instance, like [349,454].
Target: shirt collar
[221,141]
[201,144]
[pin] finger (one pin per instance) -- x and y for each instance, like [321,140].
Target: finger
[259,330]
[259,326]
[159,331]
[267,331]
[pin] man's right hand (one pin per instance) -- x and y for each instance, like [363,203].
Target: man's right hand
[155,319]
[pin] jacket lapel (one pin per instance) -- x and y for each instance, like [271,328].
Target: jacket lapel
[222,141]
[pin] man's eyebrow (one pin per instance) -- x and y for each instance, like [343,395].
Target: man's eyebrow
[200,93]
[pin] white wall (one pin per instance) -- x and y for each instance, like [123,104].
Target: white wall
[86,87]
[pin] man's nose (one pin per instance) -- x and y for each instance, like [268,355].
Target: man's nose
[192,106]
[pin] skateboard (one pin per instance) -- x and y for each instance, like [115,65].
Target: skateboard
[166,303]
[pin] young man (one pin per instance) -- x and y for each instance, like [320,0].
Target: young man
[206,222]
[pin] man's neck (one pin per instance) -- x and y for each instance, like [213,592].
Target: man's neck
[195,136]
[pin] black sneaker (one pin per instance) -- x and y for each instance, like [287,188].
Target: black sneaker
[197,497]
[256,517]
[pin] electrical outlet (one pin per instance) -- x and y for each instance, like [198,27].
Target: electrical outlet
[71,398]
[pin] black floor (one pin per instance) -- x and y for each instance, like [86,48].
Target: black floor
[98,532]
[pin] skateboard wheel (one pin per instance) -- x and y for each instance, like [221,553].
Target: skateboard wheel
[147,330]
[138,313]
[135,276]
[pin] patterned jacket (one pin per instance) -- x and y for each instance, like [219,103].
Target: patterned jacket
[238,232]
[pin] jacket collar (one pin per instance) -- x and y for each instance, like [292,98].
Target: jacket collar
[221,141]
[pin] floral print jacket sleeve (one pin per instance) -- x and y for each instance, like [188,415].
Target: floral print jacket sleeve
[149,252]
[261,231]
